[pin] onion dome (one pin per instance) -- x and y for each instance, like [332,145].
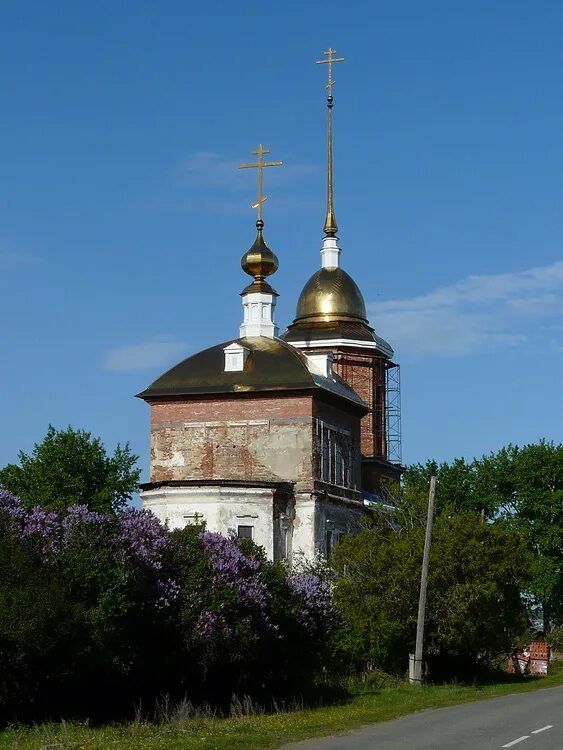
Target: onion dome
[259,261]
[331,295]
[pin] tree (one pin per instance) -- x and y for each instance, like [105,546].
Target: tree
[520,488]
[535,507]
[462,487]
[474,607]
[37,621]
[71,467]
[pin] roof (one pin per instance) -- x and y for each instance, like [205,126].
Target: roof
[331,294]
[334,331]
[271,365]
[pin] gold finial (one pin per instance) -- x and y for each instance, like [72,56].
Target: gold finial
[260,151]
[330,227]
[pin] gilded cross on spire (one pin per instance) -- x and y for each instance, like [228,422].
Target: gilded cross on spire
[330,227]
[259,166]
[329,60]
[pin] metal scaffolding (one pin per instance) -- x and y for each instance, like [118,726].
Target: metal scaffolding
[393,412]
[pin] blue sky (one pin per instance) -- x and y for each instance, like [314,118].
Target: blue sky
[123,216]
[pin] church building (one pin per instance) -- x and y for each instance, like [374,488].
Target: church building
[282,439]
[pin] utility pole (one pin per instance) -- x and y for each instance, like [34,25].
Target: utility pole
[415,670]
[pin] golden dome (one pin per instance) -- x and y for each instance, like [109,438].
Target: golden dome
[331,295]
[259,261]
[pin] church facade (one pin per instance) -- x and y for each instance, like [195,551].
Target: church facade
[282,439]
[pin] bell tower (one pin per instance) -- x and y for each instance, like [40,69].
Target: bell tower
[331,318]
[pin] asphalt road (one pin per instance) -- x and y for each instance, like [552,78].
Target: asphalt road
[527,721]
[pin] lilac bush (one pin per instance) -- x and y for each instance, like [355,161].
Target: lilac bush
[136,538]
[235,569]
[43,529]
[187,609]
[12,510]
[133,538]
[209,625]
[142,537]
[316,606]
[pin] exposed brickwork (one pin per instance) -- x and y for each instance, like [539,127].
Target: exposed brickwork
[364,371]
[249,438]
[258,438]
[231,408]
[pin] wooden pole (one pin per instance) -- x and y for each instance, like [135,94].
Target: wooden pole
[416,676]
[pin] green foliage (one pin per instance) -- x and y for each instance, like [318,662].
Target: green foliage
[71,467]
[519,488]
[98,611]
[37,617]
[474,608]
[77,610]
[556,640]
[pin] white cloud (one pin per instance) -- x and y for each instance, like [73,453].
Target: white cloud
[207,182]
[475,313]
[143,356]
[206,169]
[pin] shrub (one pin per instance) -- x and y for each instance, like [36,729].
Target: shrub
[99,610]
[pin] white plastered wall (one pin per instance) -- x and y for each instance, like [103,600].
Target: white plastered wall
[222,508]
[303,542]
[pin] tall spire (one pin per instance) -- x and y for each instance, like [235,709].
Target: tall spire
[330,227]
[259,299]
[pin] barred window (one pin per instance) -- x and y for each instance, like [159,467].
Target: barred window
[336,457]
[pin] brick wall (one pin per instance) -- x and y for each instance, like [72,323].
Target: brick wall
[365,373]
[259,438]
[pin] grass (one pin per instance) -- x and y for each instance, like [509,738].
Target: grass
[186,730]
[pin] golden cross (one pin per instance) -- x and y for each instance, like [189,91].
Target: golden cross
[330,59]
[260,151]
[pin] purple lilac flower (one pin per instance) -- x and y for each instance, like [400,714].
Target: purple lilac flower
[316,598]
[79,516]
[169,591]
[12,507]
[207,624]
[36,528]
[235,569]
[143,538]
[43,527]
[136,536]
[79,522]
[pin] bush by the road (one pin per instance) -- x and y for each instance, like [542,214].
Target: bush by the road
[98,611]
